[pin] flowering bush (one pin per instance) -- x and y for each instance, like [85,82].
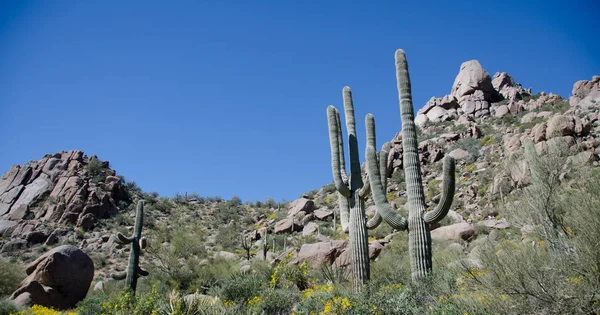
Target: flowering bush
[42,310]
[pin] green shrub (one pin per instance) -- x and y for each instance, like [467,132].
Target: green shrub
[7,307]
[11,274]
[329,188]
[471,145]
[241,287]
[276,302]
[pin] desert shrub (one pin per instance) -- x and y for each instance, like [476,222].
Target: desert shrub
[176,251]
[398,179]
[11,274]
[329,188]
[7,307]
[228,236]
[178,305]
[225,213]
[471,145]
[42,310]
[92,304]
[311,194]
[126,303]
[557,107]
[241,287]
[235,201]
[392,265]
[557,269]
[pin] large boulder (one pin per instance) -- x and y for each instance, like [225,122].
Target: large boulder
[60,278]
[301,204]
[591,100]
[505,85]
[471,78]
[287,225]
[560,125]
[457,231]
[318,254]
[582,88]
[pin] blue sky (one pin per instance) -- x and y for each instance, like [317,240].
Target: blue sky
[229,98]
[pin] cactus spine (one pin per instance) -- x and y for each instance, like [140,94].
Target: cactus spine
[419,218]
[351,191]
[137,243]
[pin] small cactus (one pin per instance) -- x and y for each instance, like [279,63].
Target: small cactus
[265,245]
[137,242]
[246,245]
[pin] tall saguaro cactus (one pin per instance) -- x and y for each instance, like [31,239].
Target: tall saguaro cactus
[351,191]
[137,242]
[419,219]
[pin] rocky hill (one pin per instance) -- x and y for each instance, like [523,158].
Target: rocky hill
[69,198]
[41,201]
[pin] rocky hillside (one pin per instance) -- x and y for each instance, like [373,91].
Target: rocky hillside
[43,201]
[69,198]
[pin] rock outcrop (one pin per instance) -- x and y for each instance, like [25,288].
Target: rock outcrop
[583,88]
[66,188]
[472,96]
[59,279]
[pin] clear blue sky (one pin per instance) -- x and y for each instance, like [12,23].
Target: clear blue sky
[229,98]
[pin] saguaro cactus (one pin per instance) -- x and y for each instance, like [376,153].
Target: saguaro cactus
[265,245]
[419,219]
[137,243]
[246,245]
[351,191]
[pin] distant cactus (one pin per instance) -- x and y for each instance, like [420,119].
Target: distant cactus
[350,189]
[246,245]
[137,243]
[265,245]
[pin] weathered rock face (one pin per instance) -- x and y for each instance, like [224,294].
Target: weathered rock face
[473,89]
[505,85]
[438,109]
[318,254]
[582,88]
[302,204]
[60,278]
[64,188]
[455,231]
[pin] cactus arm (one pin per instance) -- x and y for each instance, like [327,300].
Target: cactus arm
[334,136]
[119,276]
[377,187]
[375,221]
[122,239]
[442,208]
[341,149]
[355,172]
[383,161]
[139,219]
[364,192]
